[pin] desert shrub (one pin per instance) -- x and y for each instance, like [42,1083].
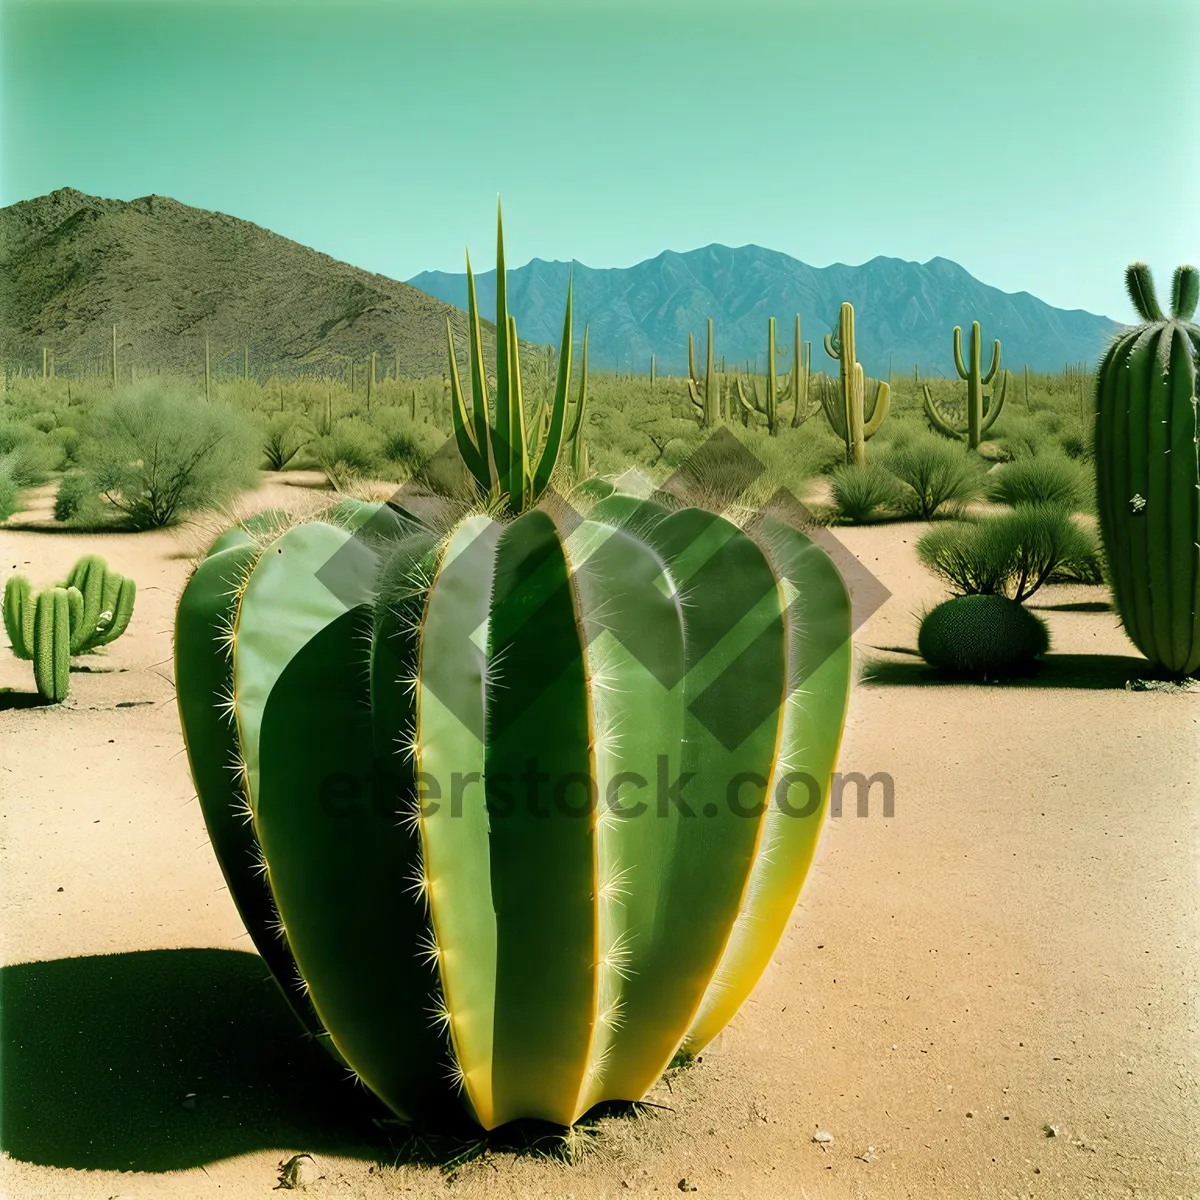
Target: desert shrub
[283,437]
[30,464]
[405,441]
[10,494]
[155,455]
[938,475]
[1009,555]
[77,502]
[867,492]
[14,433]
[1049,478]
[1075,438]
[982,637]
[69,441]
[352,450]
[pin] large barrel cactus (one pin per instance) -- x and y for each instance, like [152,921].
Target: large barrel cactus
[514,814]
[1147,477]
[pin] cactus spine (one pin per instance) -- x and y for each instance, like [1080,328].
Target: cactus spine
[846,407]
[981,412]
[1147,476]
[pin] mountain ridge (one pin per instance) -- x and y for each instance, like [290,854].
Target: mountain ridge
[170,275]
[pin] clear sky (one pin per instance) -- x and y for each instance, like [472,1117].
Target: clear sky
[1041,145]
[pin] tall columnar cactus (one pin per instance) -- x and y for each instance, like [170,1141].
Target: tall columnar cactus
[981,412]
[1147,475]
[706,396]
[610,745]
[853,415]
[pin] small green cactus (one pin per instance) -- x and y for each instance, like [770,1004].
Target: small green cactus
[981,411]
[857,408]
[97,603]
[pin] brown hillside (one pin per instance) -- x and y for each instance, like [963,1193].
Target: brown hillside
[169,275]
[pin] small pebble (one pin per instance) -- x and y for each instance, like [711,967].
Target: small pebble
[823,1137]
[1051,1130]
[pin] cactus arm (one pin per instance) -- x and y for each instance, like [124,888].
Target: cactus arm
[694,397]
[453,682]
[691,359]
[1185,293]
[458,412]
[741,395]
[818,649]
[831,347]
[74,612]
[1139,283]
[336,867]
[558,412]
[542,870]
[937,418]
[959,365]
[879,415]
[89,577]
[633,624]
[999,392]
[995,363]
[18,615]
[206,615]
[121,609]
[52,644]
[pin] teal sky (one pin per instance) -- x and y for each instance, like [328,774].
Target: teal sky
[1043,146]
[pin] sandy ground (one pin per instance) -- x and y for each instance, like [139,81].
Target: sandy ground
[1014,950]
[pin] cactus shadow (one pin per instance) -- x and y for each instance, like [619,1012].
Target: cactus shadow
[1089,672]
[10,699]
[98,1056]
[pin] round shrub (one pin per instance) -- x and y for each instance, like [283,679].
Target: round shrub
[940,476]
[982,637]
[865,493]
[74,491]
[1049,478]
[675,452]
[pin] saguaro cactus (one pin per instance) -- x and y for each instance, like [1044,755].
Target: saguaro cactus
[847,408]
[1147,478]
[981,413]
[795,390]
[706,396]
[611,747]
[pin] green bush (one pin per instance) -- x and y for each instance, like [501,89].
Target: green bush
[155,455]
[1009,555]
[404,441]
[940,477]
[865,493]
[982,637]
[353,450]
[284,435]
[1048,478]
[29,464]
[1075,438]
[14,434]
[77,500]
[10,494]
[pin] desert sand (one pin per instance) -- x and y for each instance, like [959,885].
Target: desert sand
[992,993]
